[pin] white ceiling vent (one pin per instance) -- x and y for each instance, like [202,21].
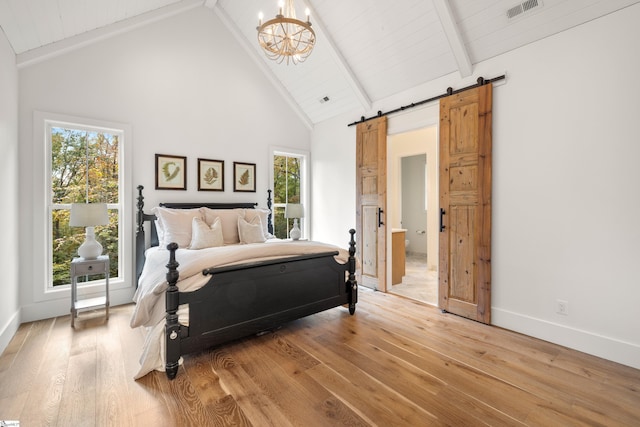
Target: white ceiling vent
[523,7]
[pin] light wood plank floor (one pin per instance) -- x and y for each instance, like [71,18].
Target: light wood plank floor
[396,362]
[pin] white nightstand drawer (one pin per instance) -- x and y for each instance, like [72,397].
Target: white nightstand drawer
[90,268]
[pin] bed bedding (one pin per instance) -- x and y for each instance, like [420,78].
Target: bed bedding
[150,312]
[215,275]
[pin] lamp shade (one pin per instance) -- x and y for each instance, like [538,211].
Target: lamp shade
[293,210]
[88,214]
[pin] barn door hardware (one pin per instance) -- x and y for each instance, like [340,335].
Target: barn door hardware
[442,226]
[380,212]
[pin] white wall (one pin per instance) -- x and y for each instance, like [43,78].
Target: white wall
[9,304]
[565,184]
[333,186]
[186,87]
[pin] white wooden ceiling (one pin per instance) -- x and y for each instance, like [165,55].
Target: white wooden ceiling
[366,49]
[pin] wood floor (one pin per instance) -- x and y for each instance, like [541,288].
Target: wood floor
[396,362]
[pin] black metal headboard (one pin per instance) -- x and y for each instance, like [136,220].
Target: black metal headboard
[142,217]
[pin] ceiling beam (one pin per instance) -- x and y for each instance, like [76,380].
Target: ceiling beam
[453,35]
[226,20]
[348,74]
[81,40]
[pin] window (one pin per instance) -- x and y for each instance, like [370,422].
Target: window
[289,186]
[84,166]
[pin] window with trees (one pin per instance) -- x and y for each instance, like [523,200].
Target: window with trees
[84,167]
[288,187]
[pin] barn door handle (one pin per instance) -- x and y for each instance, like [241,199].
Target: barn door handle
[442,226]
[380,212]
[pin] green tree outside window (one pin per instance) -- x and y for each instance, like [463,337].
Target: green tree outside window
[286,189]
[84,169]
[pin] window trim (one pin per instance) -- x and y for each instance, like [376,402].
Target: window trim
[304,178]
[42,256]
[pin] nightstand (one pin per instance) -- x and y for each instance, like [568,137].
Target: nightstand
[84,267]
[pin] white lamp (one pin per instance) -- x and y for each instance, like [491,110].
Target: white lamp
[88,215]
[295,211]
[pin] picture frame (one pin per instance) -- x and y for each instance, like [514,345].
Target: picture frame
[244,177]
[210,175]
[171,172]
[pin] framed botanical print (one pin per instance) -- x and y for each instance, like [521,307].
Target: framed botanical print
[244,177]
[210,175]
[171,172]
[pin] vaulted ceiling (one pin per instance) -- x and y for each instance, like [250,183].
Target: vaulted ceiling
[366,50]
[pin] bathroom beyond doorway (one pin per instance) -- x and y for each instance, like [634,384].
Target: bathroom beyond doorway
[413,207]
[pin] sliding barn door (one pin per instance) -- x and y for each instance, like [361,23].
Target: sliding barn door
[465,204]
[371,188]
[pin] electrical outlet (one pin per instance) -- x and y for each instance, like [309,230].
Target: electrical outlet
[562,307]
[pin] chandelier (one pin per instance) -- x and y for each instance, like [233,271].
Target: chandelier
[285,38]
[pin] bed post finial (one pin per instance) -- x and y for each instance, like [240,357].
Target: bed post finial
[270,216]
[140,238]
[172,327]
[352,284]
[352,242]
[140,216]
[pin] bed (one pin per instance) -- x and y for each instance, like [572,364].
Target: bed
[208,296]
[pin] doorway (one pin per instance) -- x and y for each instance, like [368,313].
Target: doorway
[413,206]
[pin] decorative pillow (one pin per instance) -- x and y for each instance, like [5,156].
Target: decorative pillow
[176,225]
[263,214]
[229,220]
[203,236]
[251,232]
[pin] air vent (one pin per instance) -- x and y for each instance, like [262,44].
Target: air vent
[523,7]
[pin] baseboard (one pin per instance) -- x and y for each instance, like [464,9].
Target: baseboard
[608,348]
[60,307]
[9,330]
[49,309]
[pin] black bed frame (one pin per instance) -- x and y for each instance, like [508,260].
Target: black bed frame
[247,299]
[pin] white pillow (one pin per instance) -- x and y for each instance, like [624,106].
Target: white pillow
[159,231]
[176,225]
[229,220]
[203,236]
[263,214]
[251,232]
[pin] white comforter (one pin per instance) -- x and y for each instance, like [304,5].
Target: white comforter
[149,298]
